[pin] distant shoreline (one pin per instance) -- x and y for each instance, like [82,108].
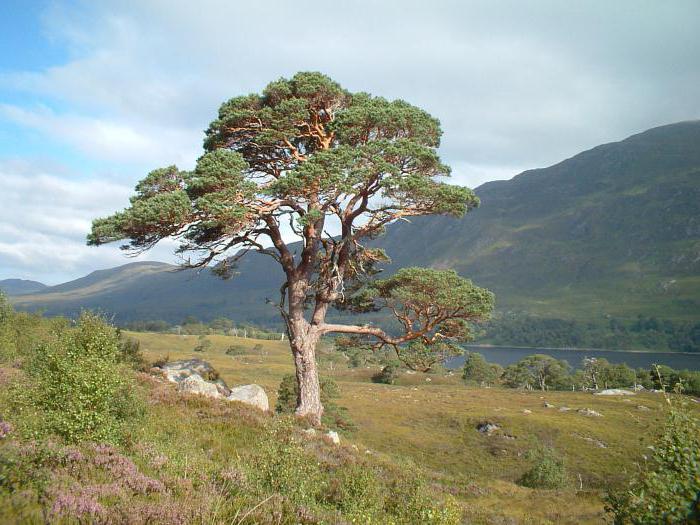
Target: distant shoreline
[571,348]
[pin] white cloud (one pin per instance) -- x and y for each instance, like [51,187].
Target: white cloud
[515,84]
[44,220]
[110,140]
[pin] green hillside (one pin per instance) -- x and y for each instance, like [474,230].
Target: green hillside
[612,231]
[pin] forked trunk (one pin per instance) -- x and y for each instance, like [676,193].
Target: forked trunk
[303,340]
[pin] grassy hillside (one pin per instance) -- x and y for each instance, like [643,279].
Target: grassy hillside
[433,424]
[613,230]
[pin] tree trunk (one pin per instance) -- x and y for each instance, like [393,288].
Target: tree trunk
[303,340]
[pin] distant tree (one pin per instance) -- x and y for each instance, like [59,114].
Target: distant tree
[593,368]
[617,376]
[536,371]
[477,369]
[307,155]
[221,324]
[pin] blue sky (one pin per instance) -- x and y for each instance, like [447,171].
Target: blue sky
[95,94]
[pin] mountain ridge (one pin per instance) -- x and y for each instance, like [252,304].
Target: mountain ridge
[613,230]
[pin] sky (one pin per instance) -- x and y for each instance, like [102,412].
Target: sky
[93,95]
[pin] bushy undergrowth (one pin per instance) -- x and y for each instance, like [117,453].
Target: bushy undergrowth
[73,455]
[547,472]
[316,491]
[667,487]
[76,385]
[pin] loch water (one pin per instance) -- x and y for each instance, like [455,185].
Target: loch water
[507,355]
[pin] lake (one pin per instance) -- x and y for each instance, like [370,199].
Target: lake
[507,355]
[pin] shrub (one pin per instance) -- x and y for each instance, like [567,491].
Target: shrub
[667,488]
[78,388]
[130,353]
[411,501]
[235,350]
[388,375]
[548,472]
[203,344]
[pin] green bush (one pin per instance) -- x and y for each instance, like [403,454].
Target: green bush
[130,353]
[411,501]
[203,344]
[548,471]
[78,388]
[388,375]
[667,488]
[236,350]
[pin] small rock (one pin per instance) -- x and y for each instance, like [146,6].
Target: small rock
[564,409]
[597,442]
[643,408]
[194,384]
[589,412]
[333,436]
[526,411]
[614,392]
[428,380]
[250,394]
[548,405]
[487,428]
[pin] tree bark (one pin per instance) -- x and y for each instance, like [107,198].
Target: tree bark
[303,340]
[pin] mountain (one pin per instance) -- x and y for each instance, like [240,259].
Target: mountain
[20,286]
[613,230]
[154,290]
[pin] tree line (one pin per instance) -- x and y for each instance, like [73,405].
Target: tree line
[543,372]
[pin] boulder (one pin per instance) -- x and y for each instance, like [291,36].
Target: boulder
[177,371]
[614,392]
[251,395]
[195,384]
[589,412]
[334,437]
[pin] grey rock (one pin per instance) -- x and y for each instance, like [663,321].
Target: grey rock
[564,409]
[177,371]
[614,392]
[333,436]
[589,412]
[253,395]
[194,384]
[643,408]
[487,428]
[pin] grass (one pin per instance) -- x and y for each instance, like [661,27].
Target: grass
[433,423]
